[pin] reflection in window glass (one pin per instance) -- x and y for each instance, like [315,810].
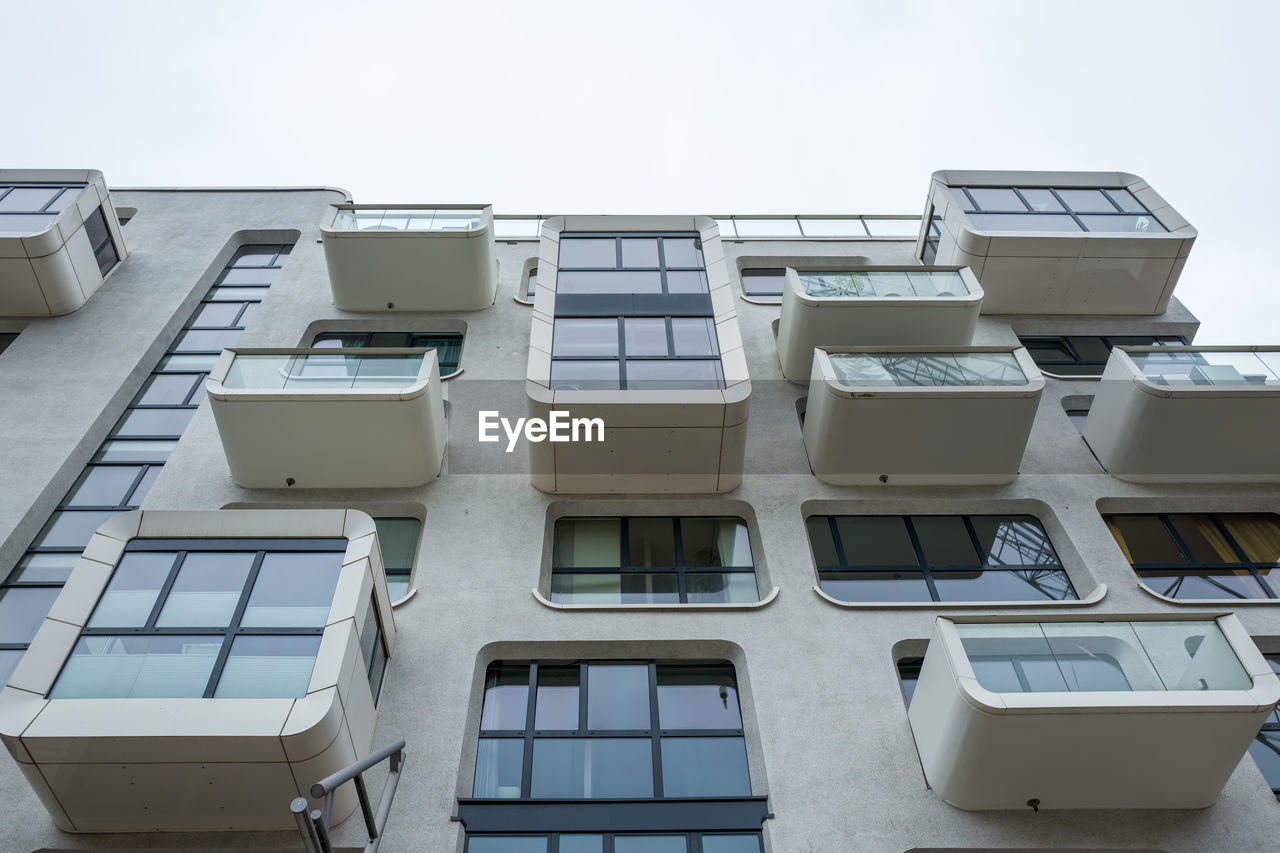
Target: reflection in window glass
[938,558]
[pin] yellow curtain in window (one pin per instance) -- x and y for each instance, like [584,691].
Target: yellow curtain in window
[1258,535]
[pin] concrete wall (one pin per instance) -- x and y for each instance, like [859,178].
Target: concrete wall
[827,728]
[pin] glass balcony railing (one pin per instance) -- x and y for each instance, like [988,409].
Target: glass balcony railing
[884,283]
[407,219]
[1175,366]
[927,369]
[319,372]
[1061,657]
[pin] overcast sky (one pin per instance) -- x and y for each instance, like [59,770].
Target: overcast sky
[686,107]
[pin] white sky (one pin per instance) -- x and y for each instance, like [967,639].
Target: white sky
[696,107]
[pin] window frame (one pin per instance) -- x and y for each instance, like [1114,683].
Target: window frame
[969,205]
[1075,359]
[926,569]
[406,343]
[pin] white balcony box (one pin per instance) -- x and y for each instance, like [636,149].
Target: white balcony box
[874,306]
[1151,711]
[1057,242]
[329,418]
[258,677]
[410,257]
[678,426]
[59,238]
[1188,414]
[927,416]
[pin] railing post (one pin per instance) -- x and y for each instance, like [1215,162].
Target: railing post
[309,838]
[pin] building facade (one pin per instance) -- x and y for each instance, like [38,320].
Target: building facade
[845,465]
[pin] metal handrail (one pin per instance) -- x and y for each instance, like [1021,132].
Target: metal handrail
[314,825]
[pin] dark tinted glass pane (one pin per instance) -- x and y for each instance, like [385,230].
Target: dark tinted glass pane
[1205,540]
[996,199]
[730,844]
[684,374]
[584,375]
[687,281]
[1144,539]
[876,541]
[763,282]
[704,767]
[1087,201]
[640,252]
[715,542]
[945,540]
[499,765]
[131,594]
[1047,350]
[154,422]
[588,252]
[1042,201]
[206,340]
[1091,348]
[645,336]
[95,228]
[617,281]
[652,542]
[506,698]
[694,336]
[698,697]
[206,591]
[1016,541]
[585,543]
[820,541]
[71,528]
[557,700]
[217,314]
[876,586]
[585,338]
[592,767]
[167,389]
[1265,750]
[531,284]
[293,590]
[22,610]
[615,588]
[1123,223]
[617,696]
[337,340]
[1208,584]
[909,675]
[507,844]
[103,485]
[398,539]
[682,251]
[1004,585]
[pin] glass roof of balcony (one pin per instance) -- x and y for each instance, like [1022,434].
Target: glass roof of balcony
[321,372]
[890,283]
[927,369]
[1058,657]
[1179,366]
[407,219]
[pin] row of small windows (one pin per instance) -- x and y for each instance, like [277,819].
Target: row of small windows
[30,208]
[448,345]
[1050,209]
[617,842]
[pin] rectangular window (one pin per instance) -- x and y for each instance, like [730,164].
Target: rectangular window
[1107,210]
[1202,555]
[31,208]
[208,618]
[398,539]
[652,560]
[611,729]
[948,558]
[104,250]
[670,343]
[764,285]
[448,345]
[1086,355]
[126,465]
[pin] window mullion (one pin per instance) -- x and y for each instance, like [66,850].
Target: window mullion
[655,733]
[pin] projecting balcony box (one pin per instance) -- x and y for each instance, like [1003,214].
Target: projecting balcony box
[410,258]
[1131,712]
[59,238]
[146,729]
[683,427]
[1057,242]
[928,416]
[1188,414]
[329,418]
[874,306]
